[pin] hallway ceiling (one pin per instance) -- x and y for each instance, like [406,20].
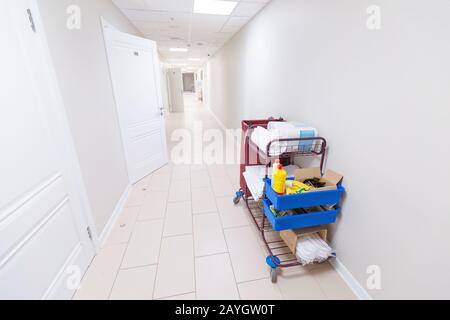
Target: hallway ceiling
[173,24]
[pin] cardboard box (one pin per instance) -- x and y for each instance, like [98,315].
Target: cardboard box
[330,178]
[290,237]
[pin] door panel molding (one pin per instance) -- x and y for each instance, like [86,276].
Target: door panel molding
[22,222]
[45,215]
[15,205]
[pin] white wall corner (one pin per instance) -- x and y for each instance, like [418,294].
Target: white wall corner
[114,217]
[106,24]
[350,280]
[221,124]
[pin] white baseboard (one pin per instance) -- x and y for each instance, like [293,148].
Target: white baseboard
[354,285]
[115,215]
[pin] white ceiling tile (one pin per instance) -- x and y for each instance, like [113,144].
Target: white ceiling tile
[237,21]
[221,35]
[203,26]
[173,24]
[151,24]
[157,16]
[170,5]
[247,9]
[232,29]
[130,4]
[199,20]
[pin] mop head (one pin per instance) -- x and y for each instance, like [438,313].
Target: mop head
[312,249]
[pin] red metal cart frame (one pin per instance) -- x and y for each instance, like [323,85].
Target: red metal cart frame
[280,255]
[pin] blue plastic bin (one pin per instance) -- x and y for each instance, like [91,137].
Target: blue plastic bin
[299,221]
[303,200]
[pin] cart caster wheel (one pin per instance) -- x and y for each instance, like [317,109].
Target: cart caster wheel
[273,264]
[273,275]
[238,197]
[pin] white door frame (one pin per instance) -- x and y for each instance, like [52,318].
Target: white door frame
[112,35]
[60,126]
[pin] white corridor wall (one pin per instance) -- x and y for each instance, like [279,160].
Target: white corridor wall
[381,98]
[80,61]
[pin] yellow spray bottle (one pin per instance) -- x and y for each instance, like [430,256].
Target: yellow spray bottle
[279,180]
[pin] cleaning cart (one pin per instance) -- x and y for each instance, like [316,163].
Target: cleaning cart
[280,255]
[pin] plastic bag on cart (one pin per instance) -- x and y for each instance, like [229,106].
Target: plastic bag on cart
[312,249]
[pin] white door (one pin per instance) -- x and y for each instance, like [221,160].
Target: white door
[136,78]
[44,242]
[176,92]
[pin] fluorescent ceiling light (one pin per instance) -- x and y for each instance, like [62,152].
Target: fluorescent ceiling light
[178,49]
[219,7]
[194,59]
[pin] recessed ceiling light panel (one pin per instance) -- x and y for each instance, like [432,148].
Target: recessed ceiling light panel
[218,7]
[179,49]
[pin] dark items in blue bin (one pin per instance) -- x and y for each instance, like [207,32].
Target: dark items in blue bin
[282,213]
[299,211]
[300,220]
[315,183]
[316,179]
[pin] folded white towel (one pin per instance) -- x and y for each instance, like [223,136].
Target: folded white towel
[262,137]
[284,130]
[278,125]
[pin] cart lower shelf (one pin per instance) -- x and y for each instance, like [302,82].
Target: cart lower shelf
[279,254]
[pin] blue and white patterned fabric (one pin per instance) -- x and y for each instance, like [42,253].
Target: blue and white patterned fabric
[295,129]
[307,146]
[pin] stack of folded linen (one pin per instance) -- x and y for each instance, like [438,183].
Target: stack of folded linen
[294,130]
[261,137]
[284,130]
[312,249]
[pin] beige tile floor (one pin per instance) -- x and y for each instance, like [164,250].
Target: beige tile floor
[181,237]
